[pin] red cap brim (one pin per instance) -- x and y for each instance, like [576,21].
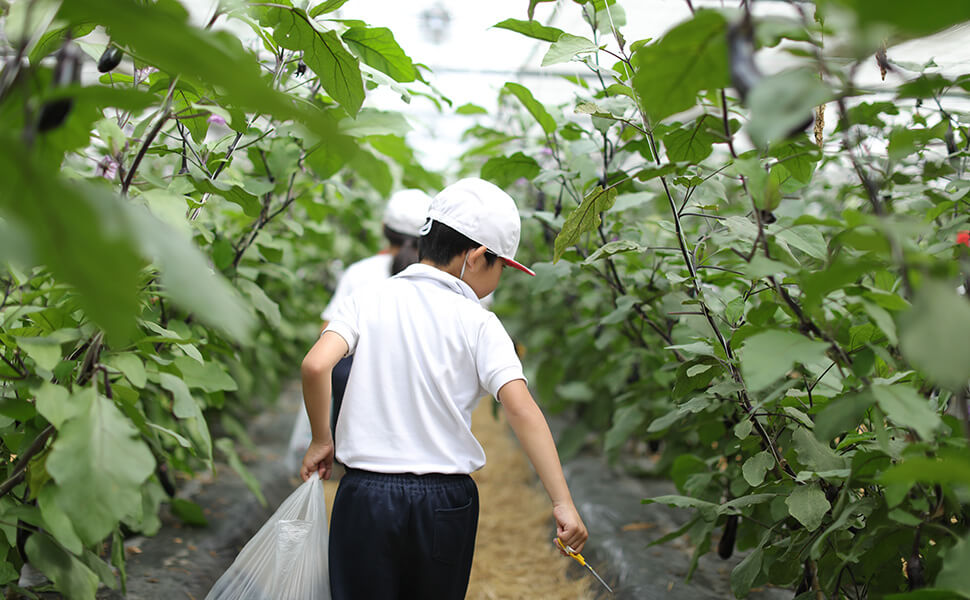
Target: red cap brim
[519,266]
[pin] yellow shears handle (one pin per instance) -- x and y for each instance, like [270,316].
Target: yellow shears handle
[570,552]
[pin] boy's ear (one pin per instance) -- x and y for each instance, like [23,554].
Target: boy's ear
[476,255]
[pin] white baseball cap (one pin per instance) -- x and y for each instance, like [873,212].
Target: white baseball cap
[482,212]
[406,211]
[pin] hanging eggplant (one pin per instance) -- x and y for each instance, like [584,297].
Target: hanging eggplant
[110,59]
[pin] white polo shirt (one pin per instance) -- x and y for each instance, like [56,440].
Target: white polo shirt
[425,352]
[358,275]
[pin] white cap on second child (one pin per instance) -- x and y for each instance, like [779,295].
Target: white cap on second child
[482,212]
[406,211]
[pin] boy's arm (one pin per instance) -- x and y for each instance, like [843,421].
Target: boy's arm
[316,371]
[531,428]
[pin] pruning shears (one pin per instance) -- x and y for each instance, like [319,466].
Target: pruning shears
[579,558]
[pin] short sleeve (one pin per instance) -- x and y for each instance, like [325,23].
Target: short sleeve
[339,295]
[495,357]
[344,323]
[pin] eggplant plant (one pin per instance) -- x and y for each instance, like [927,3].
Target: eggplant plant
[756,283]
[173,197]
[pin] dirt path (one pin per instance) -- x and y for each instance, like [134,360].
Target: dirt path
[514,555]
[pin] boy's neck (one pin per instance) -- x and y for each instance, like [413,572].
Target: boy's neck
[453,268]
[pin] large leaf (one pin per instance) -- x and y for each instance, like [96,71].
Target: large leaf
[907,408]
[743,575]
[187,276]
[69,574]
[323,52]
[535,108]
[768,355]
[565,48]
[376,47]
[532,29]
[690,144]
[505,170]
[669,74]
[99,465]
[166,40]
[910,18]
[781,103]
[585,218]
[77,231]
[954,575]
[933,335]
[807,503]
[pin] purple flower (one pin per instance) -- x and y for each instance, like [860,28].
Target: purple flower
[216,119]
[107,168]
[545,151]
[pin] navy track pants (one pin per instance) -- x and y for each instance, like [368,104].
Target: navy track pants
[402,536]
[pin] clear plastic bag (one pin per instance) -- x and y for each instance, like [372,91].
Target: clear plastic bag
[287,558]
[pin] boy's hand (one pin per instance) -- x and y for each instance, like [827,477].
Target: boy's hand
[319,458]
[569,527]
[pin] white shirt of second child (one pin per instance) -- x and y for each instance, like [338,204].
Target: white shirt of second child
[425,351]
[359,275]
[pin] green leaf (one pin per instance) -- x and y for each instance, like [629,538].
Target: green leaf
[210,376]
[54,403]
[99,465]
[954,575]
[71,576]
[907,408]
[565,48]
[951,467]
[56,521]
[250,204]
[743,575]
[841,414]
[768,355]
[933,335]
[814,454]
[691,57]
[165,39]
[626,421]
[376,47]
[79,233]
[45,351]
[531,28]
[325,54]
[780,103]
[907,17]
[130,366]
[228,449]
[586,217]
[533,4]
[189,512]
[613,248]
[754,469]
[188,278]
[374,171]
[806,238]
[325,7]
[690,144]
[808,505]
[470,109]
[506,170]
[535,108]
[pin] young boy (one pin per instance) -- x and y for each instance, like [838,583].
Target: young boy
[406,512]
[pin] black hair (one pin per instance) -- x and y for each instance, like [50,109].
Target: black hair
[442,243]
[407,249]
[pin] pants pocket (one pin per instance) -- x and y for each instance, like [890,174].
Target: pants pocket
[454,529]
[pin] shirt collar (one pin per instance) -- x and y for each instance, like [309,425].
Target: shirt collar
[422,271]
